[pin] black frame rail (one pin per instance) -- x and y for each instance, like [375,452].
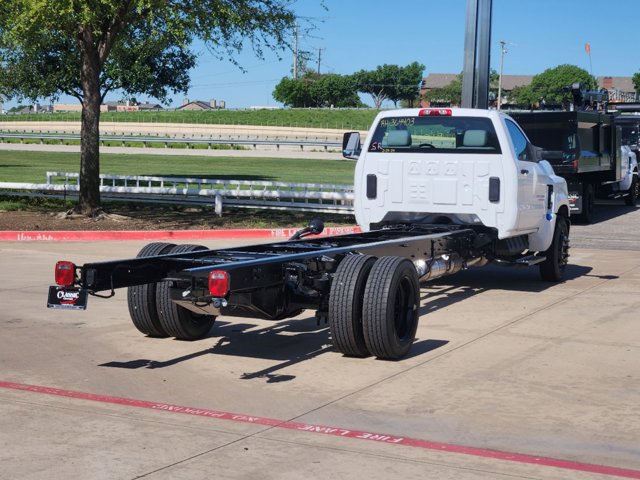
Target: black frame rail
[261,265]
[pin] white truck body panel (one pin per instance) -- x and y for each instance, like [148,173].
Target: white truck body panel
[628,168]
[423,186]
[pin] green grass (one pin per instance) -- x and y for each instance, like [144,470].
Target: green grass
[31,167]
[348,119]
[178,216]
[10,203]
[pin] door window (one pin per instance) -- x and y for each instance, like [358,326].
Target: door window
[519,141]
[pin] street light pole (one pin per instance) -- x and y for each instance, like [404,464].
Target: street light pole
[503,50]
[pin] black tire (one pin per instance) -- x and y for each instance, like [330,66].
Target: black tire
[634,192]
[588,198]
[177,321]
[390,309]
[345,305]
[142,298]
[552,269]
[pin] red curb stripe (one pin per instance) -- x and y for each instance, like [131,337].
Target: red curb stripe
[88,236]
[333,431]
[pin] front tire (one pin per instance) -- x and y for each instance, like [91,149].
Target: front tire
[176,320]
[390,310]
[557,256]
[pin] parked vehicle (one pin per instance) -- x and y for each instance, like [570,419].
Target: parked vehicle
[597,154]
[437,191]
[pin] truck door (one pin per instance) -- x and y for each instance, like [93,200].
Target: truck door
[532,190]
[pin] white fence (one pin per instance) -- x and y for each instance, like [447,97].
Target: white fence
[239,193]
[191,141]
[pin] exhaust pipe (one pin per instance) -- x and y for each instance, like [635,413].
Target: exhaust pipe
[444,265]
[438,267]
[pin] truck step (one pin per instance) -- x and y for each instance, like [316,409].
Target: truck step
[530,260]
[527,261]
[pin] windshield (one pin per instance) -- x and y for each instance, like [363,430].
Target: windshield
[434,134]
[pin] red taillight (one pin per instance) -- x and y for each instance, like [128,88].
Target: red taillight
[218,283]
[65,273]
[435,112]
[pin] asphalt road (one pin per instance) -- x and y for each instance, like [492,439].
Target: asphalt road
[509,378]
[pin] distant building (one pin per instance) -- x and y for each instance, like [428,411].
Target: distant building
[110,107]
[35,108]
[441,80]
[76,107]
[148,107]
[621,89]
[200,105]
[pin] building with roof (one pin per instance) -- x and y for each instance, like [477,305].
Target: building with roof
[201,105]
[621,89]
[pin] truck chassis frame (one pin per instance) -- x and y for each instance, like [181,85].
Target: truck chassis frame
[365,285]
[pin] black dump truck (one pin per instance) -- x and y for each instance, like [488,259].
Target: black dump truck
[594,151]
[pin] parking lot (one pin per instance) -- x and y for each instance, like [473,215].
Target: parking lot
[509,378]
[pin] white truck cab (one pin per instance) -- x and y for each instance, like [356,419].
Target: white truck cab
[459,166]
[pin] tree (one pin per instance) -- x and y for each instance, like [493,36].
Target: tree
[636,82]
[407,89]
[293,93]
[313,90]
[89,48]
[551,85]
[391,82]
[333,90]
[373,83]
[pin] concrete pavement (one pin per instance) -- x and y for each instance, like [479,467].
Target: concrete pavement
[502,363]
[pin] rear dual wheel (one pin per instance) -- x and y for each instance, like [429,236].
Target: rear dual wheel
[176,320]
[373,306]
[142,298]
[390,309]
[345,305]
[151,309]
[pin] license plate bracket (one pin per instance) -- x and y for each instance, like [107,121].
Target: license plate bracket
[68,298]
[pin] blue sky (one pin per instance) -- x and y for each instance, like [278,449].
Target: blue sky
[356,35]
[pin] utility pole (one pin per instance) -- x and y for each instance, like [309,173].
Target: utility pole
[503,51]
[319,56]
[295,52]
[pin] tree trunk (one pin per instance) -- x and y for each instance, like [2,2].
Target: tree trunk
[89,203]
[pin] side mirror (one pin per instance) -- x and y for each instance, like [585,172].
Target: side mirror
[316,227]
[551,155]
[351,147]
[542,154]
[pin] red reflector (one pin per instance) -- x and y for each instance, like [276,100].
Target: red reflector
[65,273]
[218,283]
[435,112]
